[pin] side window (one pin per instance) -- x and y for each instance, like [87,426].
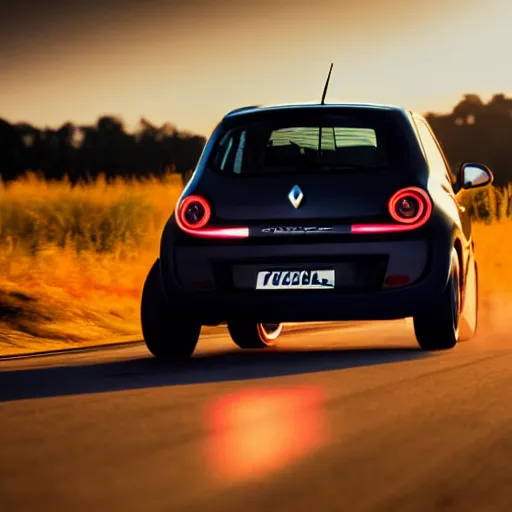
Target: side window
[434,153]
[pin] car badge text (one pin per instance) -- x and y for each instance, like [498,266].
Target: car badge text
[295,196]
[300,230]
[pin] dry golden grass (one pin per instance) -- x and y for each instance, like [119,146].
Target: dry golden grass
[493,247]
[73,260]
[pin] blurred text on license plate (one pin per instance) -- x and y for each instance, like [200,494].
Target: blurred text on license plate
[295,280]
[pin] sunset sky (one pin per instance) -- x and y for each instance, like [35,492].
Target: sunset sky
[190,62]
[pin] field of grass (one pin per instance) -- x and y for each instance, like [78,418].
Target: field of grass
[73,259]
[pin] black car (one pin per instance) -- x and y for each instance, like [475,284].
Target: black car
[316,212]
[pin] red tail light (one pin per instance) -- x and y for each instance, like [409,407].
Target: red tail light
[410,206]
[194,212]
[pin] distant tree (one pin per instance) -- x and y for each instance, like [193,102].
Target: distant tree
[11,151]
[106,148]
[151,154]
[479,132]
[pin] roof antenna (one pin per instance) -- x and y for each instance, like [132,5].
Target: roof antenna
[326,85]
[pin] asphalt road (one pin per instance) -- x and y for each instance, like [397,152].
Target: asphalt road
[335,419]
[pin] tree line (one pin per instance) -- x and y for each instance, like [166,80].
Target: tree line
[479,132]
[84,152]
[473,130]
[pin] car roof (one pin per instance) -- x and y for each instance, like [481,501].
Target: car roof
[308,105]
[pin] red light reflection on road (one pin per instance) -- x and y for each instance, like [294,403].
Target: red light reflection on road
[257,431]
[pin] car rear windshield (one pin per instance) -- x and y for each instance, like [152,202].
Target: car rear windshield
[309,143]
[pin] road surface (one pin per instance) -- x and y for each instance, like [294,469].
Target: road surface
[335,419]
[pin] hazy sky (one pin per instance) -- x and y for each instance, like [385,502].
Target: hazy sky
[189,62]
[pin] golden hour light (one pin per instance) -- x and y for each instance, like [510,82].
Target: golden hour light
[255,256]
[188,63]
[258,431]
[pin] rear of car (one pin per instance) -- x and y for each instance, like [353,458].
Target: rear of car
[307,213]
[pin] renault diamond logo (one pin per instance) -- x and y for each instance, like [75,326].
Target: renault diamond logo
[295,196]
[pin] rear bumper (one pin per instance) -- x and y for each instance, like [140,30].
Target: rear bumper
[187,267]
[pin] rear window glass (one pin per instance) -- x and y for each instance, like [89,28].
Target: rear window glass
[326,143]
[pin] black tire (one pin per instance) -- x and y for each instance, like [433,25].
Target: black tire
[254,335]
[438,329]
[169,335]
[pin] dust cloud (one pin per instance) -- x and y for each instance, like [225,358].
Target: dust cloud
[495,318]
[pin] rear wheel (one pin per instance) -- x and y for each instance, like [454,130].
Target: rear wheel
[438,328]
[254,335]
[169,335]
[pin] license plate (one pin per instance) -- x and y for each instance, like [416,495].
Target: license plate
[295,280]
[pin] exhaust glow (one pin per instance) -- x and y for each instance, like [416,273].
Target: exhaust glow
[258,431]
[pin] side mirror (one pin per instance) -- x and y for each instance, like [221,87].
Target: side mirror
[475,175]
